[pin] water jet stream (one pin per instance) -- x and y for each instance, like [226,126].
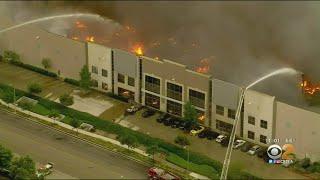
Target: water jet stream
[52,17]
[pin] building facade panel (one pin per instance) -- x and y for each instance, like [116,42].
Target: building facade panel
[99,64]
[176,82]
[258,107]
[302,127]
[33,44]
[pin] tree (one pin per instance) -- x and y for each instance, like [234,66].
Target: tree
[182,140]
[23,168]
[190,113]
[66,99]
[129,140]
[11,56]
[25,105]
[7,96]
[34,88]
[152,150]
[75,123]
[85,78]
[5,158]
[46,63]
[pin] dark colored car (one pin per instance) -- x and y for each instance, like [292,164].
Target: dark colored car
[204,133]
[212,135]
[162,117]
[168,121]
[186,126]
[148,113]
[176,123]
[246,147]
[225,141]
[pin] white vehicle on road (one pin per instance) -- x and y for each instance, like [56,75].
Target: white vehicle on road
[220,138]
[45,170]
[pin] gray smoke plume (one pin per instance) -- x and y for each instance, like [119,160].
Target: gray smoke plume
[246,39]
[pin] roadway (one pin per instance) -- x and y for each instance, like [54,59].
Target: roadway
[70,156]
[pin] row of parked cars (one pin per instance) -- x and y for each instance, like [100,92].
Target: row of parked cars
[202,132]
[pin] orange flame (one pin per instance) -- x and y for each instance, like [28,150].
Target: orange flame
[204,66]
[90,38]
[309,88]
[138,49]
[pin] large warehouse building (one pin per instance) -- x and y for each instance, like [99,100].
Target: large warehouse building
[166,85]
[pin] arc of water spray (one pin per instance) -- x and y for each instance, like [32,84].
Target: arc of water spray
[227,159]
[50,18]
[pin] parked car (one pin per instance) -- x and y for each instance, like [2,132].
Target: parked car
[160,174]
[148,112]
[168,121]
[176,123]
[204,133]
[254,150]
[196,130]
[132,109]
[44,170]
[212,135]
[220,138]
[225,141]
[238,143]
[246,147]
[162,117]
[186,126]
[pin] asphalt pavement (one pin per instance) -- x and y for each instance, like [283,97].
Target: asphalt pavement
[70,155]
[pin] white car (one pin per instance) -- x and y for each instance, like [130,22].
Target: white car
[196,130]
[220,138]
[254,150]
[132,109]
[238,143]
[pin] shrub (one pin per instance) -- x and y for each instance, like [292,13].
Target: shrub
[35,69]
[66,99]
[305,163]
[201,169]
[54,113]
[72,81]
[129,140]
[182,140]
[34,88]
[25,105]
[23,168]
[5,158]
[11,56]
[46,63]
[7,96]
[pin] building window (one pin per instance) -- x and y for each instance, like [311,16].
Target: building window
[251,135]
[152,84]
[94,69]
[125,93]
[104,86]
[223,126]
[94,83]
[201,116]
[251,120]
[130,81]
[104,73]
[174,108]
[197,98]
[152,101]
[220,110]
[263,139]
[231,113]
[120,78]
[174,91]
[264,124]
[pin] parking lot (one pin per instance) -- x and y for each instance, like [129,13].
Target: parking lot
[212,149]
